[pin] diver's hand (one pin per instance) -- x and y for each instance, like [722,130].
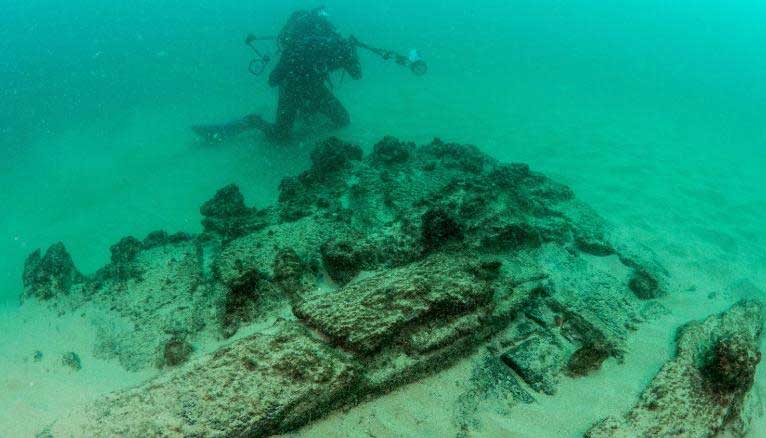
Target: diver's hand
[354,71]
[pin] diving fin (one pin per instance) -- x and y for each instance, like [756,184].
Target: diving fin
[227,131]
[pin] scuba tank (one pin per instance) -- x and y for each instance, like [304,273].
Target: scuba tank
[307,28]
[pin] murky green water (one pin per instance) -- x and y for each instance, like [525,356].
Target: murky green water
[652,112]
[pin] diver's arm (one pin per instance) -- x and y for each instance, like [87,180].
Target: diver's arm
[352,65]
[354,71]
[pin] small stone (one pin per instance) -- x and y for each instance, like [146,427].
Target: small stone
[508,176]
[466,158]
[126,250]
[644,285]
[537,360]
[488,271]
[155,238]
[227,202]
[587,359]
[729,365]
[440,227]
[71,360]
[392,151]
[176,352]
[240,303]
[50,275]
[179,237]
[333,155]
[513,237]
[342,260]
[594,246]
[37,356]
[291,274]
[124,254]
[227,215]
[288,265]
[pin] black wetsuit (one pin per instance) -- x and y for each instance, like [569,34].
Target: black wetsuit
[311,50]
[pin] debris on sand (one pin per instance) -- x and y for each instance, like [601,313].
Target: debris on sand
[702,390]
[71,360]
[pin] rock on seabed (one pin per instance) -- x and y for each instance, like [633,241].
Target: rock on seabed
[383,268]
[691,395]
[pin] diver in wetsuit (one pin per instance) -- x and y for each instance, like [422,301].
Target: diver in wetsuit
[311,49]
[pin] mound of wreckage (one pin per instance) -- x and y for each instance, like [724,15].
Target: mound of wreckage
[371,272]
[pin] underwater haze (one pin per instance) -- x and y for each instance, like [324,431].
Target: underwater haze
[650,111]
[98,97]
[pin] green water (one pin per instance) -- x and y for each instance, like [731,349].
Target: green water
[651,112]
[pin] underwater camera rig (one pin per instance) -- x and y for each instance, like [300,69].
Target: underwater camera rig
[413,61]
[261,60]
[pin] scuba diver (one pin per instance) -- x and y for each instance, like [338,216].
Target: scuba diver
[310,49]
